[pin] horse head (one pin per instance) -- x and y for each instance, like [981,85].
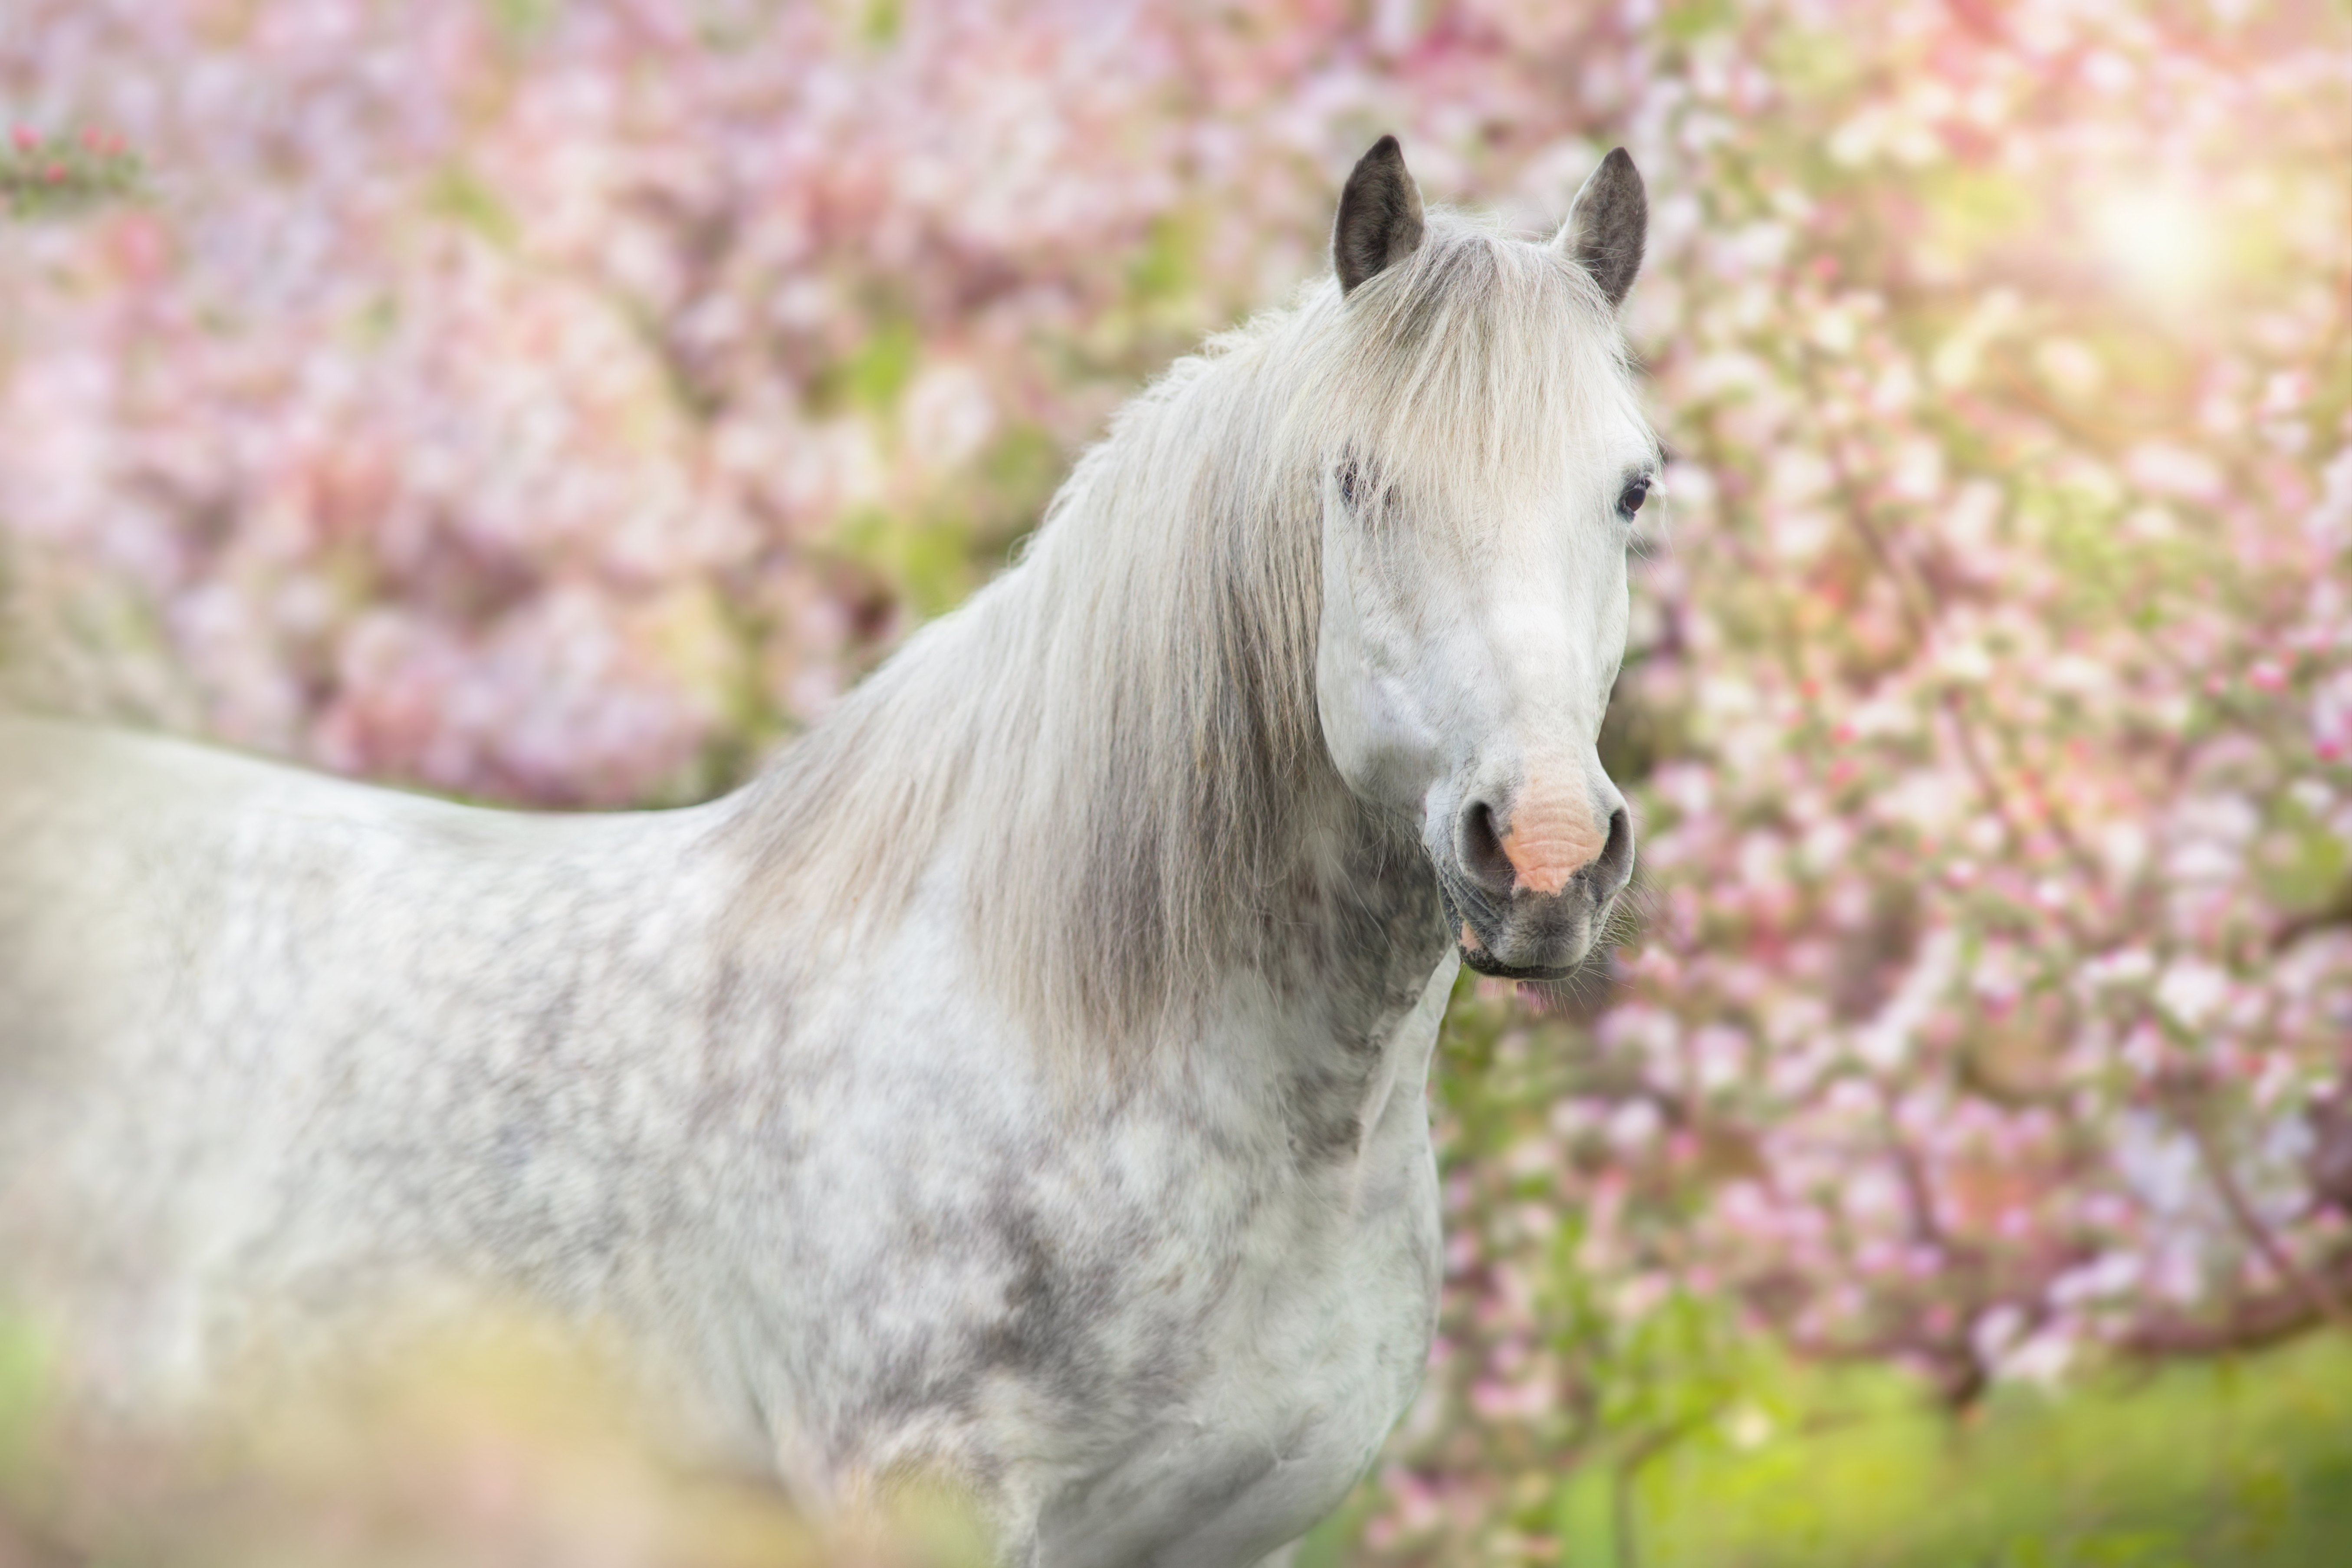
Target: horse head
[1485,461]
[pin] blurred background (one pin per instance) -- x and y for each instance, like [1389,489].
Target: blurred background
[561,402]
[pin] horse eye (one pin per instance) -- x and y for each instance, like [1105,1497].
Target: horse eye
[1348,485]
[1636,493]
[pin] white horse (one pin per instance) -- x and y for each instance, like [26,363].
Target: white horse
[1021,1082]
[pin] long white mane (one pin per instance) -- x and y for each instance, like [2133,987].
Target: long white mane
[1118,738]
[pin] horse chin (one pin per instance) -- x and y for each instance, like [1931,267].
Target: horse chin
[1487,963]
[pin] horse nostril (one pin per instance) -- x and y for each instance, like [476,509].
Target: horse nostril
[1481,851]
[1613,866]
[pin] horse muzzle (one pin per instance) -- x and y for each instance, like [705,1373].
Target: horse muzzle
[1528,887]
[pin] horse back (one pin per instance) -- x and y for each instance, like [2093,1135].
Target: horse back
[272,1043]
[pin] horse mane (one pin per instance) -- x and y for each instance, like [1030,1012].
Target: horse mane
[1116,742]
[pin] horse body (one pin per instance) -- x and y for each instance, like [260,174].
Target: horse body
[1021,1083]
[389,1050]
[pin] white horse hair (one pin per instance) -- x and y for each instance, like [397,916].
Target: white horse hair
[1020,1083]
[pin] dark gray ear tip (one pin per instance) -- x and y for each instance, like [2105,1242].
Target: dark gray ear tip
[1618,174]
[1382,157]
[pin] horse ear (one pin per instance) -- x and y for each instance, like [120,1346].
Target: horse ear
[1379,216]
[1607,223]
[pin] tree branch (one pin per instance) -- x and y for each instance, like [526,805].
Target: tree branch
[2314,1293]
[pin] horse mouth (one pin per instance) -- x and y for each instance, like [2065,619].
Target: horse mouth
[1478,947]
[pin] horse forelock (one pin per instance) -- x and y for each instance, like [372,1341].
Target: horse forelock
[1116,740]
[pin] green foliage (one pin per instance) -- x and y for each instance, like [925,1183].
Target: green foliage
[1689,20]
[460,197]
[63,175]
[2243,1464]
[1166,268]
[879,21]
[870,377]
[924,559]
[2239,1464]
[931,554]
[22,1379]
[2303,863]
[522,21]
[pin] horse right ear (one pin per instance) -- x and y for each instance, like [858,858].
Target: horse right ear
[1379,216]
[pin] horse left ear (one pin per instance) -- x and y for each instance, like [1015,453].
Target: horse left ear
[1607,223]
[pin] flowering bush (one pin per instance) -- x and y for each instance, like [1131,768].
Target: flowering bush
[560,404]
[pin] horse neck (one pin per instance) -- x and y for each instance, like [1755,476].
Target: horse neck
[1114,749]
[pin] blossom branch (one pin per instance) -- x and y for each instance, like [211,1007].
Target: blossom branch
[2190,1101]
